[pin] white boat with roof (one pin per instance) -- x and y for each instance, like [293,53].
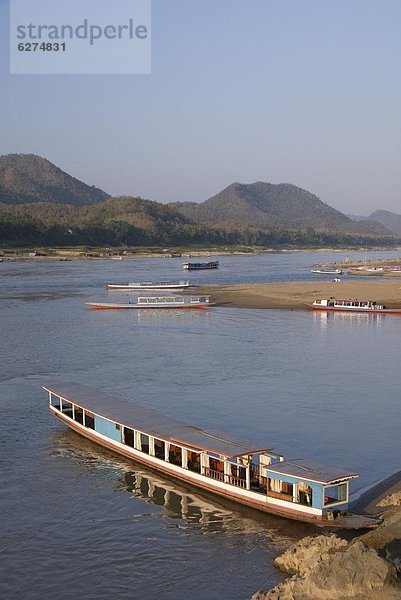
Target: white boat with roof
[200,266]
[353,305]
[246,472]
[157,302]
[327,271]
[151,285]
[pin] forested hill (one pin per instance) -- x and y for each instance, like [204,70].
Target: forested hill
[122,220]
[128,221]
[267,205]
[27,178]
[42,205]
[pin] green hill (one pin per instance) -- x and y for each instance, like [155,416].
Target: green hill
[280,206]
[41,205]
[27,178]
[129,221]
[125,220]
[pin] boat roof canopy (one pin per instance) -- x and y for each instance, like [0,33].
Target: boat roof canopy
[151,422]
[311,471]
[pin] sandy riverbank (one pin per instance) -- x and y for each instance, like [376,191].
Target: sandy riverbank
[295,295]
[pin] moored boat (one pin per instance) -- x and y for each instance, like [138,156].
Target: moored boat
[366,306]
[157,302]
[327,271]
[189,266]
[238,470]
[150,285]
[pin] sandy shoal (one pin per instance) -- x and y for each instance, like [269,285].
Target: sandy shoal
[295,295]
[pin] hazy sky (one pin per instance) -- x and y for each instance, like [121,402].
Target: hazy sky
[299,91]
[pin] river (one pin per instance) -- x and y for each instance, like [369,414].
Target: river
[79,521]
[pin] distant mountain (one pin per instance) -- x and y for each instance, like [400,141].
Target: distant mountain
[388,219]
[356,217]
[27,178]
[41,204]
[265,205]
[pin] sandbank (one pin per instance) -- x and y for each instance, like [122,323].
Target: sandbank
[297,294]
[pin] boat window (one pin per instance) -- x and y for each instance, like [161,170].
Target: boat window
[129,437]
[144,441]
[238,471]
[89,420]
[79,415]
[175,455]
[304,495]
[160,449]
[67,408]
[335,494]
[194,462]
[277,487]
[258,480]
[216,465]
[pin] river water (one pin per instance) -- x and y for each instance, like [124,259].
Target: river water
[78,521]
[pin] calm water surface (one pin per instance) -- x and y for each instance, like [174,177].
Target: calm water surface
[78,521]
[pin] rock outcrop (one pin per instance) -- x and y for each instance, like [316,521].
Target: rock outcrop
[306,554]
[330,568]
[391,500]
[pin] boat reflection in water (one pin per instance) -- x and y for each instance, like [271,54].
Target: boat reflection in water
[178,501]
[323,318]
[156,316]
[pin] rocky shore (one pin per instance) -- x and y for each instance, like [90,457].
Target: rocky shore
[328,567]
[296,295]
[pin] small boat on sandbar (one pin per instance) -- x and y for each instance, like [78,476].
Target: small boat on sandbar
[157,302]
[365,306]
[327,271]
[189,266]
[151,285]
[235,469]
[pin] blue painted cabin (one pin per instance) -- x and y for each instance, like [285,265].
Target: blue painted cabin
[325,489]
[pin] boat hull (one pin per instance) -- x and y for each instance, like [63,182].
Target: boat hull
[112,286]
[244,497]
[347,309]
[198,268]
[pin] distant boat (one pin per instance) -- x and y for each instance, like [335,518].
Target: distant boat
[157,302]
[365,306]
[327,271]
[241,471]
[150,285]
[199,266]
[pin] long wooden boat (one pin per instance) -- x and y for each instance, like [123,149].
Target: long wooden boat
[189,266]
[238,470]
[365,306]
[327,271]
[150,285]
[157,302]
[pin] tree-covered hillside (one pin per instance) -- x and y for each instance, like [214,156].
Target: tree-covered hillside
[27,178]
[267,205]
[129,221]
